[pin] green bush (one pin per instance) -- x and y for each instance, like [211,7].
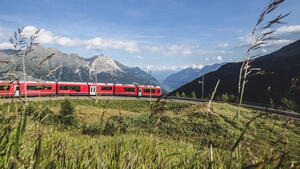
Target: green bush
[92,129]
[224,97]
[183,94]
[67,116]
[177,94]
[194,94]
[288,104]
[231,98]
[271,103]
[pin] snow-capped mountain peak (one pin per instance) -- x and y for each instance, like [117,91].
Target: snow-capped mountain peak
[101,63]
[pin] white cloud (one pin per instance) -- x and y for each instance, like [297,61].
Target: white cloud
[223,45]
[283,30]
[264,51]
[1,35]
[174,68]
[101,44]
[46,37]
[6,45]
[279,43]
[139,57]
[218,58]
[170,50]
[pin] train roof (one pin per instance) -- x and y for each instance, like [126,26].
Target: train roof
[125,85]
[149,86]
[38,82]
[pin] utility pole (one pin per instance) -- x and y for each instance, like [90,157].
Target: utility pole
[202,83]
[96,77]
[150,86]
[24,73]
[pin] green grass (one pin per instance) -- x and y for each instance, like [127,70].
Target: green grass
[130,134]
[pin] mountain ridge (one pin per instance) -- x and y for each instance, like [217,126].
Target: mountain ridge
[177,79]
[280,71]
[73,68]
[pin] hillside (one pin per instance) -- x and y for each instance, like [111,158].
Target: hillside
[74,68]
[280,68]
[182,77]
[129,134]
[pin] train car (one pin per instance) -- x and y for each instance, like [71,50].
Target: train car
[144,91]
[125,90]
[105,89]
[37,88]
[6,89]
[74,88]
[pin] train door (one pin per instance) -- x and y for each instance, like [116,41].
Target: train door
[139,92]
[17,90]
[93,90]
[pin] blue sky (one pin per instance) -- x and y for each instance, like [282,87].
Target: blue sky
[162,34]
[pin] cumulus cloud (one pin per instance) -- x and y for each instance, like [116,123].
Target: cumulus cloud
[284,30]
[46,37]
[98,43]
[6,45]
[101,44]
[218,58]
[245,41]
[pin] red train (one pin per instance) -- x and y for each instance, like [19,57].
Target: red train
[12,89]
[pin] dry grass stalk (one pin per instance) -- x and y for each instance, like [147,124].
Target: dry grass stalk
[24,45]
[259,37]
[45,59]
[212,96]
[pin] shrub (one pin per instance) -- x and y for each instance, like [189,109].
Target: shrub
[92,129]
[67,116]
[183,94]
[231,98]
[288,104]
[177,94]
[224,97]
[271,103]
[194,94]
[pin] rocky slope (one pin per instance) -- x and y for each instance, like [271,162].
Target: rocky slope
[73,68]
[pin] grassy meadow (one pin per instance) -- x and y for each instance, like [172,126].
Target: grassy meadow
[132,134]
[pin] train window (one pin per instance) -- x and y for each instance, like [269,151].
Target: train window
[39,87]
[148,90]
[4,87]
[126,89]
[75,88]
[158,90]
[106,88]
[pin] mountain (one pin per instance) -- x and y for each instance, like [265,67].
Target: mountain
[281,69]
[73,68]
[161,75]
[180,78]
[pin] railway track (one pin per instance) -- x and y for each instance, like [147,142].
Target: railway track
[287,114]
[282,113]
